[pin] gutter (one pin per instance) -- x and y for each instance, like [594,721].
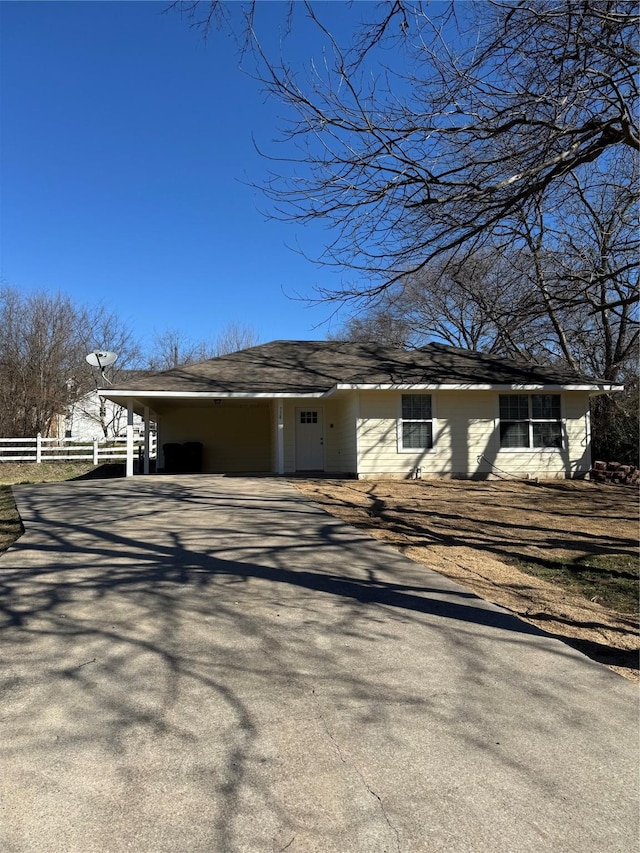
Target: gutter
[139,394]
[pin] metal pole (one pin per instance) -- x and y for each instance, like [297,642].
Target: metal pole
[129,466]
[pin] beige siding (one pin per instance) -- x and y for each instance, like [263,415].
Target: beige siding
[575,457]
[290,435]
[236,438]
[361,435]
[578,424]
[339,418]
[341,434]
[463,427]
[466,439]
[377,436]
[467,428]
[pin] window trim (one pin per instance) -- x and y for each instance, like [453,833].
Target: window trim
[530,421]
[400,421]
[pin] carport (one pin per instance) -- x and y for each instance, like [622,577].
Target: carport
[235,434]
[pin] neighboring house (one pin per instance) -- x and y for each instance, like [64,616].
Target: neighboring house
[92,415]
[366,410]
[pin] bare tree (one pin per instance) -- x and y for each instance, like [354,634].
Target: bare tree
[173,347]
[44,339]
[387,323]
[433,126]
[559,294]
[558,288]
[235,336]
[580,248]
[440,137]
[37,360]
[480,302]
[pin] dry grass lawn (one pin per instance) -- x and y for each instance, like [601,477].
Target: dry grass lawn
[562,555]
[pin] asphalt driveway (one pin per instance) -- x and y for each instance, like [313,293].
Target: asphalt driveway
[210,664]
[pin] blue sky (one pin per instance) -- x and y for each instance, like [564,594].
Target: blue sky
[126,154]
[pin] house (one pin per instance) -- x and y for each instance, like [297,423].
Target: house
[365,410]
[92,416]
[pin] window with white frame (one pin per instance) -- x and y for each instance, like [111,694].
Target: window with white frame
[530,421]
[416,425]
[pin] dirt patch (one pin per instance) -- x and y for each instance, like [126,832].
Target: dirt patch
[472,532]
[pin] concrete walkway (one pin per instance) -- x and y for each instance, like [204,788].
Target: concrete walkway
[206,664]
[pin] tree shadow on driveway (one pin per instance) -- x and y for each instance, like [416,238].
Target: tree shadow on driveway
[207,653]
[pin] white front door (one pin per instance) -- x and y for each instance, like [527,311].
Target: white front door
[309,440]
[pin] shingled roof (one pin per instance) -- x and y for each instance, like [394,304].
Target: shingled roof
[317,367]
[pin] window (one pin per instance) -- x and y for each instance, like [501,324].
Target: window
[416,428]
[530,420]
[308,417]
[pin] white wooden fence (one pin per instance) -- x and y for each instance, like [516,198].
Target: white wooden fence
[98,450]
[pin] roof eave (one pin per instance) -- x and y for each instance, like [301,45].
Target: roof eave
[140,394]
[207,395]
[592,387]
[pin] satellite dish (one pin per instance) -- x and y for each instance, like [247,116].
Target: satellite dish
[101,359]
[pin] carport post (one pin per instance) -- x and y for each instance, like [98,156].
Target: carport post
[129,466]
[146,439]
[280,438]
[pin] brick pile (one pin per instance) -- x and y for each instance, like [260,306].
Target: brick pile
[614,472]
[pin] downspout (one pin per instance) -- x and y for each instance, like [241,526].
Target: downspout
[357,436]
